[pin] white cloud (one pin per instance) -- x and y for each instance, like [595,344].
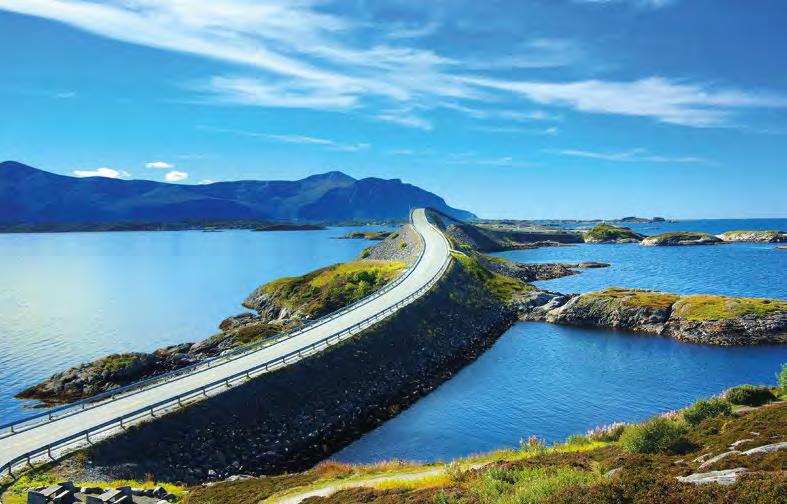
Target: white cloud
[471,158]
[293,139]
[655,4]
[405,117]
[102,172]
[298,55]
[159,164]
[658,98]
[551,131]
[630,156]
[175,176]
[205,182]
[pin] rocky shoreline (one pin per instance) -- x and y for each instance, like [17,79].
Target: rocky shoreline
[715,320]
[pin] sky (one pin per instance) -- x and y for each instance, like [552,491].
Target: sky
[528,109]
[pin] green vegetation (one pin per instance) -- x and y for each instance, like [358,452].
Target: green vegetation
[638,298]
[366,252]
[764,236]
[783,378]
[706,307]
[657,435]
[707,408]
[252,333]
[503,287]
[526,484]
[403,244]
[114,362]
[328,289]
[605,232]
[367,235]
[749,395]
[682,235]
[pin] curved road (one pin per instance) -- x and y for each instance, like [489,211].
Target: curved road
[436,250]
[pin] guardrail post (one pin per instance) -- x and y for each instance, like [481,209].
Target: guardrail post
[152,412]
[121,424]
[87,437]
[204,391]
[49,452]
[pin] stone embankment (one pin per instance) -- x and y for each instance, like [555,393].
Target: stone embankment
[292,418]
[718,320]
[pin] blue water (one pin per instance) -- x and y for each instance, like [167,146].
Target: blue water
[735,269]
[69,298]
[553,381]
[713,226]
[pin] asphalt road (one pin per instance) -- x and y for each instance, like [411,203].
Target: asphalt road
[435,252]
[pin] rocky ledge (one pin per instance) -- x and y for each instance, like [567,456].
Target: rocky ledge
[717,320]
[366,235]
[754,236]
[535,272]
[681,238]
[604,233]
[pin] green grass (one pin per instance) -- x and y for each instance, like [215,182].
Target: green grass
[503,287]
[707,307]
[115,362]
[765,234]
[639,298]
[367,235]
[682,235]
[328,289]
[504,485]
[605,232]
[657,435]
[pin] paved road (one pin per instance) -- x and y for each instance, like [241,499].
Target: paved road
[435,253]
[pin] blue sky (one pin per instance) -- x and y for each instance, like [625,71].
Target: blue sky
[516,108]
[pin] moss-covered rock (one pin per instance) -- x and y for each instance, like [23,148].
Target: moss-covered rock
[605,233]
[754,236]
[680,238]
[366,235]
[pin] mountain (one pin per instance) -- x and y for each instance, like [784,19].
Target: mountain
[32,196]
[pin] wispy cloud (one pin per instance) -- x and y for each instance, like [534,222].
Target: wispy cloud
[102,172]
[175,176]
[515,130]
[162,165]
[472,158]
[293,139]
[297,54]
[631,156]
[658,98]
[655,4]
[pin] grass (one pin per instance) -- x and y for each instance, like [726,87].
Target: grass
[767,234]
[639,298]
[605,232]
[707,307]
[527,484]
[115,362]
[367,235]
[252,333]
[328,289]
[503,287]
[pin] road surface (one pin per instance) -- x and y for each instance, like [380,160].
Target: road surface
[436,251]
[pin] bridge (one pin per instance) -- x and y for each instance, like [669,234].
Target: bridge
[55,432]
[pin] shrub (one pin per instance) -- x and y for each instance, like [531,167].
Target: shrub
[403,244]
[657,435]
[749,395]
[533,445]
[607,433]
[783,378]
[706,408]
[577,440]
[366,253]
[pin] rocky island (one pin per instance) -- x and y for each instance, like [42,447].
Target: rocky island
[605,233]
[366,235]
[680,238]
[754,236]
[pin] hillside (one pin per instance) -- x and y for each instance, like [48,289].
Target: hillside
[32,196]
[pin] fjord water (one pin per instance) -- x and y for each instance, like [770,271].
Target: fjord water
[553,381]
[71,297]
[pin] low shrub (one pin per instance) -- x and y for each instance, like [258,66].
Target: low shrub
[607,433]
[707,408]
[749,395]
[403,244]
[783,378]
[577,440]
[657,435]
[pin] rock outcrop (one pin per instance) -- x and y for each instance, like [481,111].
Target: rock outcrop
[754,236]
[604,233]
[718,320]
[680,238]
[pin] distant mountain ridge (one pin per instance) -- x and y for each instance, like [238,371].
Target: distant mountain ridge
[32,196]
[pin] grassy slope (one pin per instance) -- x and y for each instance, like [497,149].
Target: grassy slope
[605,232]
[328,289]
[570,472]
[690,307]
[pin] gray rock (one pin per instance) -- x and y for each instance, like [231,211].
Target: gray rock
[612,472]
[740,442]
[725,477]
[717,458]
[36,498]
[766,449]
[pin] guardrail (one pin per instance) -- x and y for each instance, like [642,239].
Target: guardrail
[200,392]
[23,424]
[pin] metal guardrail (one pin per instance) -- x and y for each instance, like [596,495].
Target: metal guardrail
[52,414]
[200,392]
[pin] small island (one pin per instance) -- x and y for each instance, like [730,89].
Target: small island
[366,235]
[680,238]
[605,233]
[290,227]
[754,236]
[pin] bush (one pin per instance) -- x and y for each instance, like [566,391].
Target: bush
[607,433]
[657,435]
[749,395]
[577,440]
[707,408]
[783,378]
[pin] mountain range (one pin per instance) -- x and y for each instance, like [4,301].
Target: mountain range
[32,196]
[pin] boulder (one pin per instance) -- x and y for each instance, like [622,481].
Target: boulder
[725,477]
